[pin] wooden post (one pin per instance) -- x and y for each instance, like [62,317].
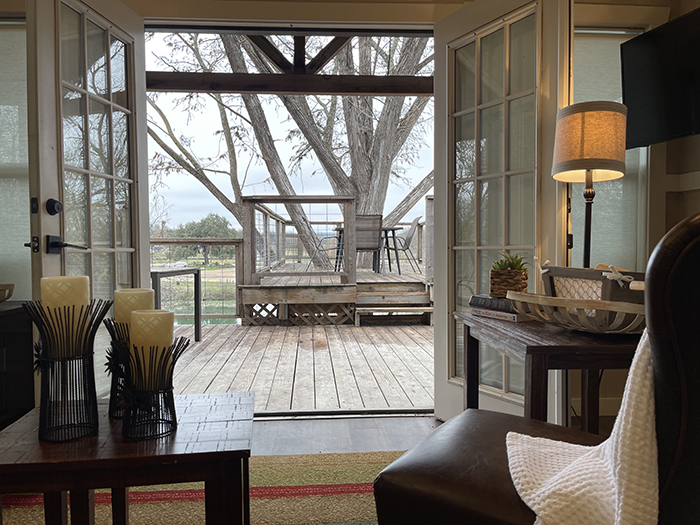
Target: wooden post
[240,277]
[249,242]
[350,256]
[429,238]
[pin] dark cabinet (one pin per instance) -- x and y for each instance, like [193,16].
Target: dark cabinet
[16,362]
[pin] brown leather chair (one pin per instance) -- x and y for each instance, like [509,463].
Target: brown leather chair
[459,473]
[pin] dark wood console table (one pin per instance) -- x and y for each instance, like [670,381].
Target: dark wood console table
[543,347]
[211,444]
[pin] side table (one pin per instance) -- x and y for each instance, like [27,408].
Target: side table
[211,444]
[543,347]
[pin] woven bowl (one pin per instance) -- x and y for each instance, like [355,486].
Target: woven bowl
[6,291]
[585,315]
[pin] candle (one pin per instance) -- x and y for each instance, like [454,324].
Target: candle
[66,290]
[151,332]
[152,328]
[129,299]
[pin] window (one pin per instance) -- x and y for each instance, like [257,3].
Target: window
[618,212]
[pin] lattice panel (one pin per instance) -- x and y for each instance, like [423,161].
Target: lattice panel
[321,314]
[261,314]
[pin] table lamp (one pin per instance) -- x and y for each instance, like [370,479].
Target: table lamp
[589,146]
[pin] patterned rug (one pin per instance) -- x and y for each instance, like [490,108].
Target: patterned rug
[330,489]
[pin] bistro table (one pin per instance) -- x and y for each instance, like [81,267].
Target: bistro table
[211,444]
[543,347]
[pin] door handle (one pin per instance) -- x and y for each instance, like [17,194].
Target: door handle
[54,244]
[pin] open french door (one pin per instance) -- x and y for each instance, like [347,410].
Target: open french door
[501,72]
[87,142]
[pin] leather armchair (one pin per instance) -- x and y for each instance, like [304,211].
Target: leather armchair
[459,473]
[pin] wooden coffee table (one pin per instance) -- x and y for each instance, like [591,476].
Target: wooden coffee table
[211,444]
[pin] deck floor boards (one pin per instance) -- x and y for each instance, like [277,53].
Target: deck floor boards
[312,368]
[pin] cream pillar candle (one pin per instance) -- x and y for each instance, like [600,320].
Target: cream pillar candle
[152,328]
[129,299]
[66,290]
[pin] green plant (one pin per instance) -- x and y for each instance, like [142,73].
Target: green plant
[510,262]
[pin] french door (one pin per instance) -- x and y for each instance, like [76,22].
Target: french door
[87,141]
[496,96]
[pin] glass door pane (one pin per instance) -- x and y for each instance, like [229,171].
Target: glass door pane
[96,150]
[494,173]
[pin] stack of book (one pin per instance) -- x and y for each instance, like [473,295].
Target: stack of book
[495,307]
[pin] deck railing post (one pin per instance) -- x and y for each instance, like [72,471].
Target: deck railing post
[249,243]
[350,253]
[429,238]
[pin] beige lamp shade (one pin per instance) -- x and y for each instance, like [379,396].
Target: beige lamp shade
[590,136]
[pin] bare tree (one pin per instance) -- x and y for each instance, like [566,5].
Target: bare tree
[362,143]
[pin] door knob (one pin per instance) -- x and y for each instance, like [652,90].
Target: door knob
[53,206]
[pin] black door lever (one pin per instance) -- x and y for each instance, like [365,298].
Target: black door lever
[54,244]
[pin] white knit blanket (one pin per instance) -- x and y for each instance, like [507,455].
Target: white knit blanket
[613,483]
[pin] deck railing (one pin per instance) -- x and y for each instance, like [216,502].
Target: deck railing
[277,241]
[265,236]
[221,262]
[221,266]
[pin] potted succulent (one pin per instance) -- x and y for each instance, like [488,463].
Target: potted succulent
[508,273]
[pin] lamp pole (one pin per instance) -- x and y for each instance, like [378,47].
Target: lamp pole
[588,194]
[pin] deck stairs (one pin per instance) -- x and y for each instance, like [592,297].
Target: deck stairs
[393,302]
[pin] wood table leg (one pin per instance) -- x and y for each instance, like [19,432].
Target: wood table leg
[82,507]
[224,497]
[536,379]
[590,401]
[120,505]
[56,508]
[471,370]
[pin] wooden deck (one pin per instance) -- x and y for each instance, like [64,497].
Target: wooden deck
[322,368]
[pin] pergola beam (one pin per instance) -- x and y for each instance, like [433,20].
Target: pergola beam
[326,54]
[272,53]
[278,84]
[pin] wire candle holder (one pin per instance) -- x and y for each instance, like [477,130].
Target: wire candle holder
[65,357]
[117,360]
[148,391]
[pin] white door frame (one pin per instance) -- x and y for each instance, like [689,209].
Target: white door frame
[43,100]
[553,92]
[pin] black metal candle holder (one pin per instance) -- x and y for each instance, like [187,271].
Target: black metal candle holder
[148,391]
[65,358]
[117,360]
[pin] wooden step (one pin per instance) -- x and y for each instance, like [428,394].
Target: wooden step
[391,310]
[392,298]
[391,287]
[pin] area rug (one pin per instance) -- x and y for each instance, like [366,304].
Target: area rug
[329,489]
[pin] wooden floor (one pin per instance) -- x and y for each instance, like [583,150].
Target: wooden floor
[318,368]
